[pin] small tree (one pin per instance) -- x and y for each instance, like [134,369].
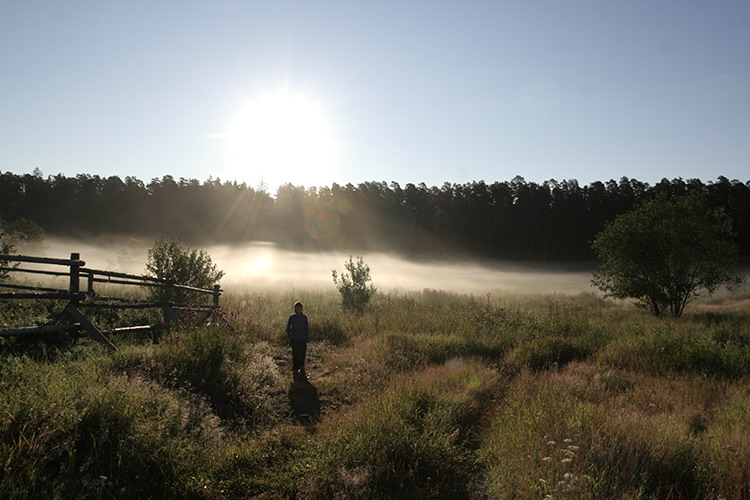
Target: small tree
[6,248]
[170,259]
[352,284]
[25,235]
[666,253]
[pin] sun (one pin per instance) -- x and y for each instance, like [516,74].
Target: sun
[281,137]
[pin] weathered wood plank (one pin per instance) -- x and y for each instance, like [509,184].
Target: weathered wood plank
[4,332]
[129,329]
[27,287]
[137,305]
[115,274]
[56,296]
[34,271]
[42,260]
[123,282]
[88,326]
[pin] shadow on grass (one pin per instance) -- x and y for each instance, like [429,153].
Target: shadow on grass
[303,397]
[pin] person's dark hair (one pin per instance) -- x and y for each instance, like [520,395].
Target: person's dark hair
[296,304]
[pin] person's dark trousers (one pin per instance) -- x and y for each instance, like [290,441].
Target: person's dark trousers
[299,351]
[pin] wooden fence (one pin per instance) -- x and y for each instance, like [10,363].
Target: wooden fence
[81,298]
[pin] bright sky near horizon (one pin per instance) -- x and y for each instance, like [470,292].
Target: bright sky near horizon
[351,91]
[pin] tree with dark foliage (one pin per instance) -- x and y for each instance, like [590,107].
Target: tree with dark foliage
[667,252]
[170,259]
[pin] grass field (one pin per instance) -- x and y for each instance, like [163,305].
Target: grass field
[425,395]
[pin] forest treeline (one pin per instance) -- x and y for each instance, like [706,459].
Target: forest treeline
[517,220]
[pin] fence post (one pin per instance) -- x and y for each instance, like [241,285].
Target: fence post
[75,285]
[72,308]
[217,294]
[170,316]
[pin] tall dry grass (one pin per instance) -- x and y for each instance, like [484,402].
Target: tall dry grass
[426,395]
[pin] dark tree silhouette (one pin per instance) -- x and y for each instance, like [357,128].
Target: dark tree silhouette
[519,220]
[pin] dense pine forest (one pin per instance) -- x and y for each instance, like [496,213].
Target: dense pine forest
[516,220]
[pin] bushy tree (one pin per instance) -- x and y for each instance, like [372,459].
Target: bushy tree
[171,259]
[6,248]
[665,253]
[352,284]
[25,235]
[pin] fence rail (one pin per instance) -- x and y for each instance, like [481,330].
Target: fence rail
[88,298]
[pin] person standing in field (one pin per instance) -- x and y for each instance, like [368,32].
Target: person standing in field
[298,334]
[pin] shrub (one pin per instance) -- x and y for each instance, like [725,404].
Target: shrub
[6,248]
[25,234]
[171,260]
[352,284]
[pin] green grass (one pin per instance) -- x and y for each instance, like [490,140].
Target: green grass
[424,395]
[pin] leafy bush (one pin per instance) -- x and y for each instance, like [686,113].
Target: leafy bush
[26,235]
[6,248]
[171,260]
[352,284]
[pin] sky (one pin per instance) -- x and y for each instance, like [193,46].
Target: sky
[317,92]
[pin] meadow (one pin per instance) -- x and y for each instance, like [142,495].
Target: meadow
[426,394]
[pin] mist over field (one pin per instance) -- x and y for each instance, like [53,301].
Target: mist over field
[267,266]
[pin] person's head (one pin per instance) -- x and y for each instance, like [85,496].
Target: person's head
[298,308]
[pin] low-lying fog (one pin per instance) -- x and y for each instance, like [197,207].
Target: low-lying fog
[265,266]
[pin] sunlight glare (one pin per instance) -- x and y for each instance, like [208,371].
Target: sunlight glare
[280,138]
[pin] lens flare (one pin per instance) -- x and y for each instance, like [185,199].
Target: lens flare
[321,220]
